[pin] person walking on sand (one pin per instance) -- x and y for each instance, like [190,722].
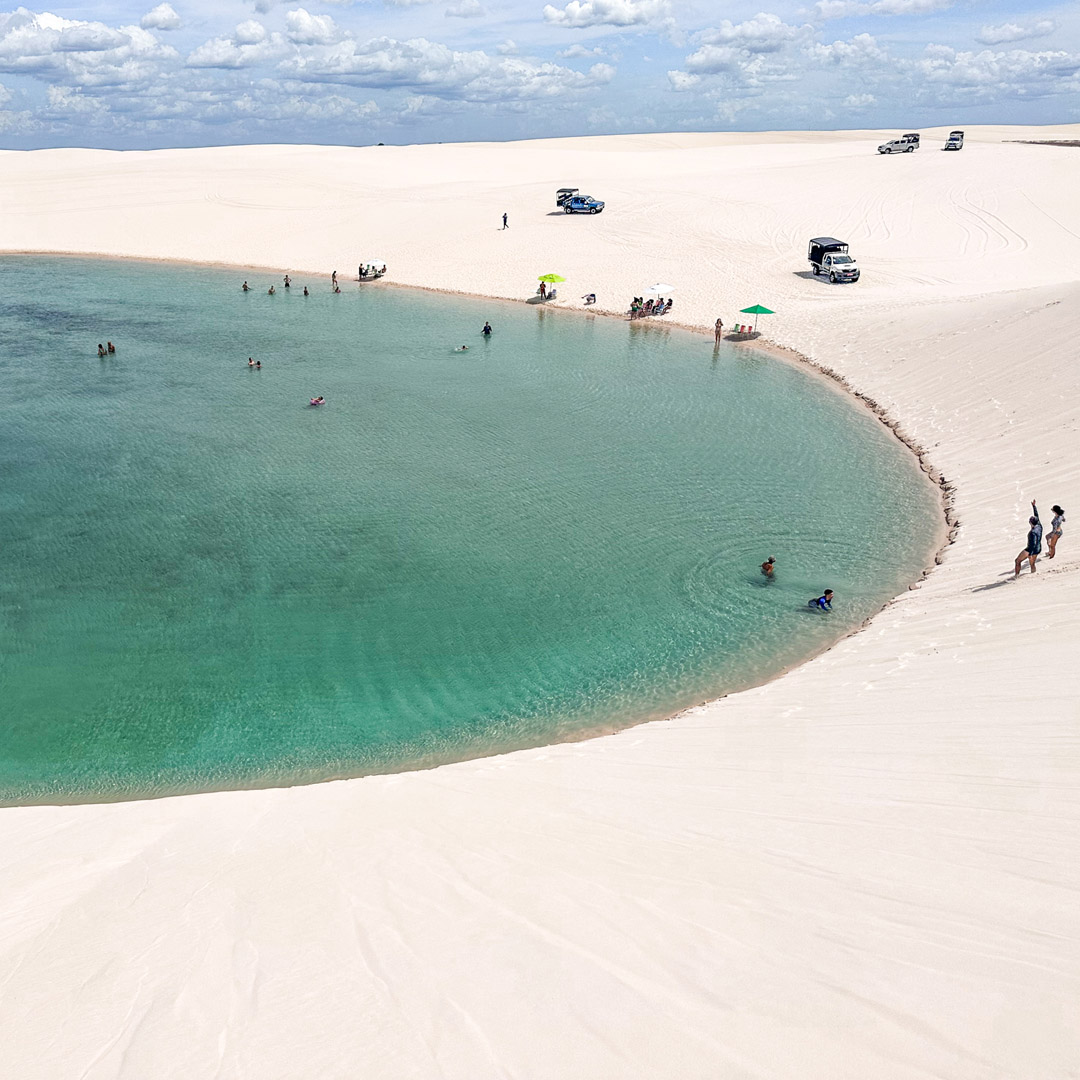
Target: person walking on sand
[768,567]
[1034,542]
[823,602]
[1056,527]
[505,225]
[719,328]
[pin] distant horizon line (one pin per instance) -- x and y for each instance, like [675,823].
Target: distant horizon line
[552,138]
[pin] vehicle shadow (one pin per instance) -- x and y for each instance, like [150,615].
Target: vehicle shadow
[808,274]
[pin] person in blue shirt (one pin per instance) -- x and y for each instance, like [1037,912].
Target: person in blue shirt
[823,602]
[1034,542]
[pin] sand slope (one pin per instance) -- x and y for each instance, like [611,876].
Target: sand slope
[864,869]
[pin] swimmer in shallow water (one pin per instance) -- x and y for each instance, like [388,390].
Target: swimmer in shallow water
[271,290]
[768,567]
[251,363]
[100,349]
[462,348]
[823,602]
[244,287]
[305,290]
[258,365]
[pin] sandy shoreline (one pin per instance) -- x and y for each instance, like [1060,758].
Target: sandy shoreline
[863,868]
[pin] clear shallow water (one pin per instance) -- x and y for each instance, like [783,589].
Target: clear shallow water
[209,584]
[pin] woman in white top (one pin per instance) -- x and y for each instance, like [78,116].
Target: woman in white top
[1055,530]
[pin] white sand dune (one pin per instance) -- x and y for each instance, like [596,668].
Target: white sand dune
[865,869]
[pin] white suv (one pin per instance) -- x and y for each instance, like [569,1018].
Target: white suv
[897,146]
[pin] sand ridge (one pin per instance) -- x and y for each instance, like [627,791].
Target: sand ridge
[863,869]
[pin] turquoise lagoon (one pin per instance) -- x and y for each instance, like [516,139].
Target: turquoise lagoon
[208,584]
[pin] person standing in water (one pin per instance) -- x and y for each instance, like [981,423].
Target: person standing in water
[288,282]
[1034,542]
[110,348]
[719,330]
[100,349]
[258,365]
[487,329]
[768,567]
[823,602]
[305,290]
[251,363]
[271,291]
[1056,527]
[333,279]
[244,287]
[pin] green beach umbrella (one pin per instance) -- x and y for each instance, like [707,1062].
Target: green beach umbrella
[551,279]
[757,309]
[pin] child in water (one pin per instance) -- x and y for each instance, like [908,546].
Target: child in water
[768,567]
[823,602]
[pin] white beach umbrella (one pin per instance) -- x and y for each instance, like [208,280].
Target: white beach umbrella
[661,287]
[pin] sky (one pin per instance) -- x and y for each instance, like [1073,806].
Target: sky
[126,75]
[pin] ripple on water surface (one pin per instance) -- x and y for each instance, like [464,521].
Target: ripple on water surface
[209,584]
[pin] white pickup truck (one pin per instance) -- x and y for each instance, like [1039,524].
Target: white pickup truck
[898,146]
[827,255]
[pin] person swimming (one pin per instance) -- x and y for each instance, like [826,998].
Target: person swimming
[320,400]
[462,348]
[110,347]
[271,290]
[258,365]
[823,602]
[768,567]
[337,287]
[100,349]
[251,363]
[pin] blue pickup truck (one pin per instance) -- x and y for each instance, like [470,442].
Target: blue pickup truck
[582,204]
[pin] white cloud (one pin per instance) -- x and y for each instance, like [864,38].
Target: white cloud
[579,52]
[581,13]
[250,44]
[761,34]
[839,9]
[1008,32]
[163,17]
[507,48]
[303,28]
[990,75]
[439,70]
[859,101]
[861,49]
[466,9]
[77,52]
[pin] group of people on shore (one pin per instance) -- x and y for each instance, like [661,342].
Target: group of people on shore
[1033,548]
[640,307]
